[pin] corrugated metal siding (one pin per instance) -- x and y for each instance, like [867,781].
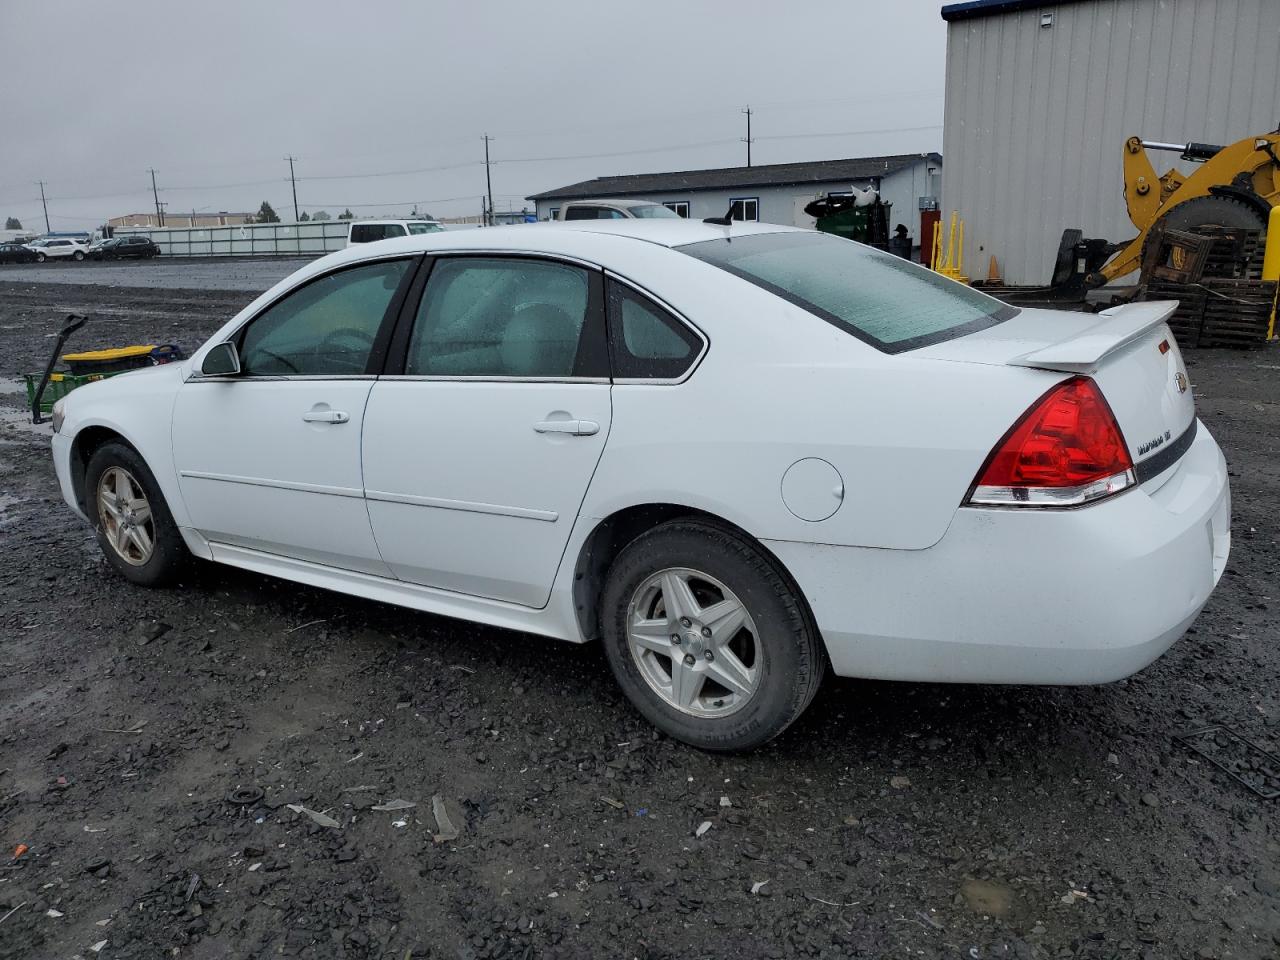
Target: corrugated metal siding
[1036,118]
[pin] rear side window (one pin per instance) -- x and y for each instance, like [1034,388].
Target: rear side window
[326,328]
[645,341]
[593,213]
[884,300]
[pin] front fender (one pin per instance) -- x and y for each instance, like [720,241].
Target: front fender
[138,407]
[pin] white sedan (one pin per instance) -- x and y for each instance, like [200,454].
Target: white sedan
[736,454]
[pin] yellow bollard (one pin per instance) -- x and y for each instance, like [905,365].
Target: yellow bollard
[1271,260]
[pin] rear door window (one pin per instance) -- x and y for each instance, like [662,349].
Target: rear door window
[884,300]
[507,318]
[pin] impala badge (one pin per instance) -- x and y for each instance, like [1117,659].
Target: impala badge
[1180,381]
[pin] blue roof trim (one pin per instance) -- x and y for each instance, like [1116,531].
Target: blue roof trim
[986,8]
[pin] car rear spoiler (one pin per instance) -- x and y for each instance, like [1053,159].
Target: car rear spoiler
[1115,328]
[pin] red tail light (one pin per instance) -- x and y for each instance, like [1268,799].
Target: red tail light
[1066,450]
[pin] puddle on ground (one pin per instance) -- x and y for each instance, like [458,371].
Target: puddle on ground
[12,385]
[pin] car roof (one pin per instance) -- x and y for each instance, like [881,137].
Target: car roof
[608,243]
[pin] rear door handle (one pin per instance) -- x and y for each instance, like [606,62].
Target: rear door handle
[325,416]
[577,428]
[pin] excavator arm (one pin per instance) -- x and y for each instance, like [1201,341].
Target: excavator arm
[1236,185]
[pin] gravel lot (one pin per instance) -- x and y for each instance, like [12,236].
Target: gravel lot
[165,273]
[894,820]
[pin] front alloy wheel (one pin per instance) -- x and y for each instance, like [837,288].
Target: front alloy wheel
[126,517]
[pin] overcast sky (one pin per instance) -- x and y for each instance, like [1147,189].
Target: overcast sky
[384,103]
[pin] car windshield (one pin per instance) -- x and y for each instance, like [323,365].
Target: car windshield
[890,303]
[651,211]
[417,228]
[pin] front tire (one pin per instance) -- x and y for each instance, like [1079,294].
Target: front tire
[135,528]
[706,636]
[41,258]
[78,255]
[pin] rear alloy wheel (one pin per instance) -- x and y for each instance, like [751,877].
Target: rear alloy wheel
[707,638]
[135,529]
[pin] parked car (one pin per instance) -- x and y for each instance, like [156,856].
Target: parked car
[368,231]
[16,253]
[48,248]
[735,454]
[120,248]
[615,210]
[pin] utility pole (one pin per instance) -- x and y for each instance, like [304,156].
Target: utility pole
[156,195]
[47,228]
[488,181]
[294,183]
[747,139]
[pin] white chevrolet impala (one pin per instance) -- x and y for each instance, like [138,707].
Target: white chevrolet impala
[735,454]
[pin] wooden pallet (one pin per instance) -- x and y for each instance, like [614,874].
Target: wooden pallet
[1237,313]
[1218,312]
[1236,253]
[1188,319]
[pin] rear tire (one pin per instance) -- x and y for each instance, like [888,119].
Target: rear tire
[746,658]
[135,529]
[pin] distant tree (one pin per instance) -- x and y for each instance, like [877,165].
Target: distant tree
[346,215]
[266,214]
[423,215]
[305,216]
[321,215]
[13,223]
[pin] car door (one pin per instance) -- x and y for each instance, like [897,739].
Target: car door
[269,459]
[480,441]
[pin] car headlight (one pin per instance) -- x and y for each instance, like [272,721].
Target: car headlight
[59,414]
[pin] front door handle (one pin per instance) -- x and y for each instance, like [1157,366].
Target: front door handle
[325,416]
[577,428]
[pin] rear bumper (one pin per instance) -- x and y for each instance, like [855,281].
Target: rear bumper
[1029,596]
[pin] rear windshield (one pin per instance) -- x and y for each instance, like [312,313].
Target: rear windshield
[419,228]
[890,303]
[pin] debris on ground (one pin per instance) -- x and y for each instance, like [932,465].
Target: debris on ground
[393,805]
[703,827]
[445,830]
[318,818]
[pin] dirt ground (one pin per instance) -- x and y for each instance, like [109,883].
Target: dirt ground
[152,742]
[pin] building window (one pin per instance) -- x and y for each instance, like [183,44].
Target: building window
[744,208]
[555,213]
[679,207]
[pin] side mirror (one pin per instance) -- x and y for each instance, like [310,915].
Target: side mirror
[222,361]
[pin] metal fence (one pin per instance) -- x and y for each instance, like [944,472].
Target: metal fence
[250,239]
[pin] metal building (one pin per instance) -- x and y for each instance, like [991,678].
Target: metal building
[772,193]
[1042,94]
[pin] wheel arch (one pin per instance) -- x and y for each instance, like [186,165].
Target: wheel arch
[86,441]
[610,535]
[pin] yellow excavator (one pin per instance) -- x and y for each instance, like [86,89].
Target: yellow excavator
[1235,186]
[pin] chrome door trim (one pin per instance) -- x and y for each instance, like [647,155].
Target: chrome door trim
[297,486]
[467,506]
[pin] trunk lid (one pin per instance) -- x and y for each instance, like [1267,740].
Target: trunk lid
[1128,350]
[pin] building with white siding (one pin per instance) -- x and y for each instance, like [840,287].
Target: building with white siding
[1042,94]
[772,193]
